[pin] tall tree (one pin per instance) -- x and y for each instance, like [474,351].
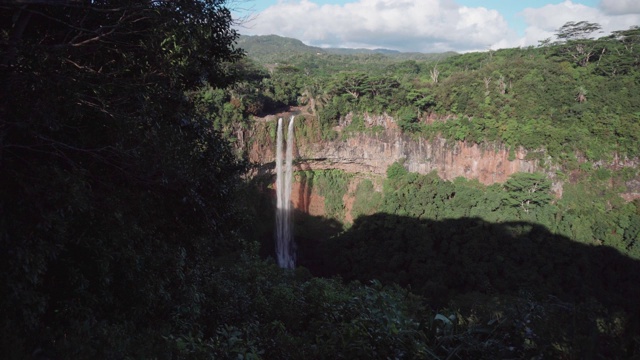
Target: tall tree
[576,36]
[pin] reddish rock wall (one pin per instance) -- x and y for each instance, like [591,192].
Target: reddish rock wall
[368,153]
[306,200]
[373,153]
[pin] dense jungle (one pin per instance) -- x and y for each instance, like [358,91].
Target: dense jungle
[137,192]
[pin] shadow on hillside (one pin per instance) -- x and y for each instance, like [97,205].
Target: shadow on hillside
[530,288]
[444,259]
[557,296]
[310,235]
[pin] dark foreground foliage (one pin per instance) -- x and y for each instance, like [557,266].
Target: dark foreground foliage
[115,195]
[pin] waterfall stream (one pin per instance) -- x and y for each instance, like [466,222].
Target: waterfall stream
[285,246]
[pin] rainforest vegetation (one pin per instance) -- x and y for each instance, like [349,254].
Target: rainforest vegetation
[130,229]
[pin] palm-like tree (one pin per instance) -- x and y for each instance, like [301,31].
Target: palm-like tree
[581,96]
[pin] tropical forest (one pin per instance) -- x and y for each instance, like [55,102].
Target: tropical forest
[171,189]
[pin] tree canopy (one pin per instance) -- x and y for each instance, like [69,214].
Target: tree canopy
[116,193]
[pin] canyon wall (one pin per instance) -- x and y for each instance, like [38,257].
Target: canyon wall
[368,155]
[373,152]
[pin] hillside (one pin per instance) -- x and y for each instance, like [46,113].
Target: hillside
[273,48]
[550,97]
[563,115]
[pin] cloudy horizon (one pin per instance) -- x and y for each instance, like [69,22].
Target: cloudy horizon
[429,25]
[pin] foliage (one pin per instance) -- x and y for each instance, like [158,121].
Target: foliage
[566,96]
[589,212]
[118,207]
[526,190]
[515,282]
[356,126]
[577,30]
[367,200]
[275,314]
[117,195]
[407,120]
[330,184]
[474,264]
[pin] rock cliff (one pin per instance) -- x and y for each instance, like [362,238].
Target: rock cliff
[370,153]
[373,152]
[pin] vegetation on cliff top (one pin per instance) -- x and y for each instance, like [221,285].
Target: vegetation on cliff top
[575,96]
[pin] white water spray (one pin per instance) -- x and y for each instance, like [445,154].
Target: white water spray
[285,247]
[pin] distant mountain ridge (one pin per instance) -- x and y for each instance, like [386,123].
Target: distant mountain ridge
[270,48]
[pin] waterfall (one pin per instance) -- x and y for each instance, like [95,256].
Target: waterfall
[285,247]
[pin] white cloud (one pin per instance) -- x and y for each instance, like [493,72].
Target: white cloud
[620,7]
[407,25]
[429,25]
[543,22]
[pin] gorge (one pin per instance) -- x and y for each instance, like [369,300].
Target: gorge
[330,176]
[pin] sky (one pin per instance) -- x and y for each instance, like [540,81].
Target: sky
[427,25]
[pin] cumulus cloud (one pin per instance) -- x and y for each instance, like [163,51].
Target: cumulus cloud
[429,25]
[620,7]
[406,25]
[543,22]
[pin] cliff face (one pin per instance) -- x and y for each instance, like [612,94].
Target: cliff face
[374,152]
[371,153]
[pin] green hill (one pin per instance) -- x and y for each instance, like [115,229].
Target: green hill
[274,48]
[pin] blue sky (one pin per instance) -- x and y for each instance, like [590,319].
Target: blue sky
[429,25]
[511,8]
[508,8]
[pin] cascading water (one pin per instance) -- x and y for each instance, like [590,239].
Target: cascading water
[285,247]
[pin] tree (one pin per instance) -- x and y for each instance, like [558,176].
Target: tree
[581,95]
[434,73]
[581,30]
[116,194]
[382,85]
[527,190]
[315,96]
[421,98]
[354,84]
[630,37]
[576,36]
[624,45]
